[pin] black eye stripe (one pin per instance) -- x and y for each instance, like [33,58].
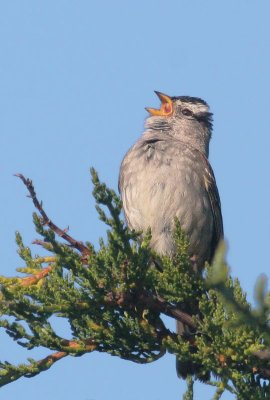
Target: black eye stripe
[187,112]
[205,118]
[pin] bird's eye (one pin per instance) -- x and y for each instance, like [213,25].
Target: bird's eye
[187,112]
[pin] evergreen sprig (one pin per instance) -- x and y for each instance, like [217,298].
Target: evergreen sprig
[114,298]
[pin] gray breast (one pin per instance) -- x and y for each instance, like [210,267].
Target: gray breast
[161,180]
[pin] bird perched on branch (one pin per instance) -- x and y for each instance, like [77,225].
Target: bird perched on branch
[166,174]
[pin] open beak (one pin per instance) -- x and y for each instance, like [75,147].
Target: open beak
[166,107]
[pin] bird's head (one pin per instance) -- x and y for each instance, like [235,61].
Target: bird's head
[186,118]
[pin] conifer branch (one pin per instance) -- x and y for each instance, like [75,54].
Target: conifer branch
[114,298]
[9,373]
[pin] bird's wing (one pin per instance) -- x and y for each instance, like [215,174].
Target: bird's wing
[212,190]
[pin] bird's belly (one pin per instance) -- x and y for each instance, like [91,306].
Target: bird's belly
[156,196]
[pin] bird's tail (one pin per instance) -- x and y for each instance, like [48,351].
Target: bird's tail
[185,368]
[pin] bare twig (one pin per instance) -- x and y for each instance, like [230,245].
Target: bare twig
[60,232]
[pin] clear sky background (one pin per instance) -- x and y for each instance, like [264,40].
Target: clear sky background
[74,80]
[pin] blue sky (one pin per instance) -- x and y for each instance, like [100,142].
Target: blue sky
[74,80]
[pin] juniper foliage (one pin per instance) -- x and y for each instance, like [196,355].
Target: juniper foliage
[114,299]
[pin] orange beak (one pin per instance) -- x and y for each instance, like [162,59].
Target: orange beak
[166,108]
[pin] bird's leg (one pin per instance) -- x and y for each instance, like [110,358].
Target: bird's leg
[194,262]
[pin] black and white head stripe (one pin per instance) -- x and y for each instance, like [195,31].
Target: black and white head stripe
[190,100]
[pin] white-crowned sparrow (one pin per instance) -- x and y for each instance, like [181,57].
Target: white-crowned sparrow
[166,174]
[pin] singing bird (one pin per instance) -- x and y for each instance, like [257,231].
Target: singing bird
[166,175]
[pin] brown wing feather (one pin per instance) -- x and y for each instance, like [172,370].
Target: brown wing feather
[212,190]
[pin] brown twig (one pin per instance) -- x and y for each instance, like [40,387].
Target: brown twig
[151,302]
[31,280]
[88,345]
[40,243]
[157,303]
[60,232]
[51,359]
